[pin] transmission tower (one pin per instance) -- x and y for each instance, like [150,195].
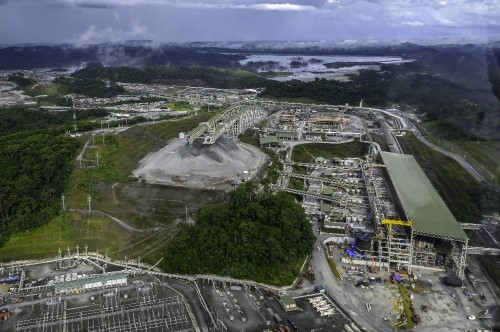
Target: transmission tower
[75,126]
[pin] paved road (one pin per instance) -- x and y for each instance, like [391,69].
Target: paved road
[406,124]
[337,289]
[468,167]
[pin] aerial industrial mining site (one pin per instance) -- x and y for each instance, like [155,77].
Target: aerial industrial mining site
[388,251]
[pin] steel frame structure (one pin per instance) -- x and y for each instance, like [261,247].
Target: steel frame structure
[233,121]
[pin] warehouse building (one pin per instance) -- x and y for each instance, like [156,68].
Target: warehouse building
[93,282]
[427,233]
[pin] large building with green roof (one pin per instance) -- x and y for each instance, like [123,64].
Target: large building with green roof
[418,200]
[435,236]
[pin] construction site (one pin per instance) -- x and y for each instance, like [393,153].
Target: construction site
[381,206]
[378,213]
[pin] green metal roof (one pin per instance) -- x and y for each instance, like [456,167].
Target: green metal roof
[319,160]
[268,140]
[421,202]
[327,191]
[326,208]
[286,134]
[288,300]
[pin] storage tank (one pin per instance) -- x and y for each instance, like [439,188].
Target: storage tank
[182,135]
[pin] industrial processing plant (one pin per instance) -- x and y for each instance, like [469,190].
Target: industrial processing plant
[379,207]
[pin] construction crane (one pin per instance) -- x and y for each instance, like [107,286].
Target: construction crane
[395,222]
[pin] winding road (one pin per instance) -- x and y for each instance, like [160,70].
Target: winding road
[406,124]
[465,164]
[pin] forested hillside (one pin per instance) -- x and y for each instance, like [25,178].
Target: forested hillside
[34,169]
[194,75]
[20,119]
[261,237]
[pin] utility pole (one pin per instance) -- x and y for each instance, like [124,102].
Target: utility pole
[77,250]
[97,159]
[63,206]
[75,127]
[59,255]
[89,201]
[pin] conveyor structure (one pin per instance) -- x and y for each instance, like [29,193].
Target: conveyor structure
[233,121]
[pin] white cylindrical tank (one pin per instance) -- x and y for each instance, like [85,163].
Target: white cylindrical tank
[182,135]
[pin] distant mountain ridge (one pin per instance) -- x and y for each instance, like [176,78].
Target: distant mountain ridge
[217,54]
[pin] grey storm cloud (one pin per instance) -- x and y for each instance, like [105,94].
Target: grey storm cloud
[343,21]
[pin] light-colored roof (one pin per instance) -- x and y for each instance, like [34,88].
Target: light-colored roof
[421,202]
[80,283]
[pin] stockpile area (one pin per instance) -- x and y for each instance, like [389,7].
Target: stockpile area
[200,166]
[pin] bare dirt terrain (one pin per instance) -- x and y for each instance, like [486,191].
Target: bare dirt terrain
[9,95]
[200,166]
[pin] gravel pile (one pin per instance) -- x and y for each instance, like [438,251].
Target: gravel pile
[200,166]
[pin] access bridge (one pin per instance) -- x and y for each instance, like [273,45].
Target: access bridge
[232,121]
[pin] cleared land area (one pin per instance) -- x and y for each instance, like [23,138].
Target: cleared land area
[114,191]
[461,193]
[487,153]
[96,231]
[200,166]
[306,153]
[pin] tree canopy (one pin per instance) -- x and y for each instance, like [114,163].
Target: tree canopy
[34,170]
[263,237]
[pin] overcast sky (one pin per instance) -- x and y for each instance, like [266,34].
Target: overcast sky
[336,21]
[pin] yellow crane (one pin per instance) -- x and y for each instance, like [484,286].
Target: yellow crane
[391,223]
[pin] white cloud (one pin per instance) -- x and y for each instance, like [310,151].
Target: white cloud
[281,6]
[413,23]
[365,17]
[278,5]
